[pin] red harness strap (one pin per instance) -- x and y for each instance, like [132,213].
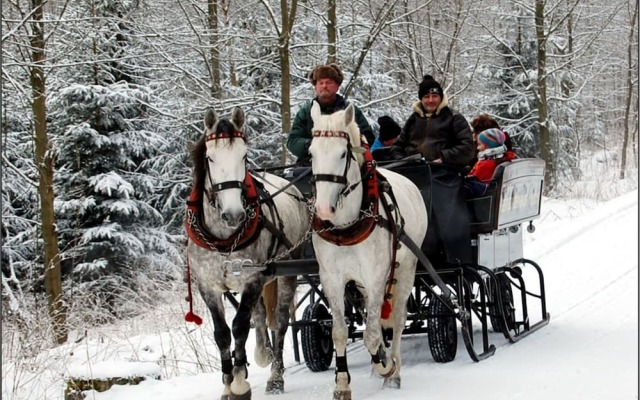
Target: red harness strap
[361,230]
[200,236]
[386,310]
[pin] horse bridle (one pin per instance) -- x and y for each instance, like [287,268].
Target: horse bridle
[341,179]
[218,187]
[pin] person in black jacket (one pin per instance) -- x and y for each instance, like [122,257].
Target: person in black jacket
[434,130]
[444,138]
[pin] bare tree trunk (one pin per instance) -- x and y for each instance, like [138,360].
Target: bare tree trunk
[214,57]
[287,16]
[233,79]
[627,110]
[331,32]
[44,162]
[546,147]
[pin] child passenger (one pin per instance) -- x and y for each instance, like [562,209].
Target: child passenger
[491,152]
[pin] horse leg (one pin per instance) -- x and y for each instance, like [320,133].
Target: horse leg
[382,362]
[286,292]
[335,295]
[263,353]
[240,388]
[222,336]
[398,319]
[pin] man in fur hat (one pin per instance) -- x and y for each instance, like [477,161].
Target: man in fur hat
[434,130]
[326,80]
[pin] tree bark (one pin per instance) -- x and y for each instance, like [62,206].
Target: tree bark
[332,23]
[627,110]
[546,147]
[44,161]
[214,54]
[287,15]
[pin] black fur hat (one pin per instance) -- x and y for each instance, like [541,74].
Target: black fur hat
[429,85]
[389,128]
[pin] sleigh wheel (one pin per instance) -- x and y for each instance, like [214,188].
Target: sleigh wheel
[316,340]
[442,331]
[506,293]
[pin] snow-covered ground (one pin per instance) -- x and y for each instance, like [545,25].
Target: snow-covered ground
[589,350]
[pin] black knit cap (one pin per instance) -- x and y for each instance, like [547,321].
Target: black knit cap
[389,128]
[429,85]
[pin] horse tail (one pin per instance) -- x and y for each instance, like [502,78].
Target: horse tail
[270,300]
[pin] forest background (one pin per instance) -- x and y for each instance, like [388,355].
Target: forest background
[101,98]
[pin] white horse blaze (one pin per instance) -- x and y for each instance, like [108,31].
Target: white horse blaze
[326,200]
[229,200]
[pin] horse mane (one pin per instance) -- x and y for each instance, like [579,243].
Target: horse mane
[198,150]
[356,139]
[354,132]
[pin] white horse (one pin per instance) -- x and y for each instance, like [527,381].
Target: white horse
[236,220]
[357,224]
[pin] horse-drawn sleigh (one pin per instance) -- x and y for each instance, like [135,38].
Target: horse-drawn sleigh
[362,252]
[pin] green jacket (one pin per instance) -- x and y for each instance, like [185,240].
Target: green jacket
[300,137]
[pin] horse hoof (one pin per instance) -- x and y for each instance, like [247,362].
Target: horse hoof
[383,372]
[342,395]
[275,387]
[263,357]
[392,370]
[243,396]
[393,383]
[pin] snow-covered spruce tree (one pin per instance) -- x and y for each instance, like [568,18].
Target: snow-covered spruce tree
[21,256]
[111,236]
[509,78]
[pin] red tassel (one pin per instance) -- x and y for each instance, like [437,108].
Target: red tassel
[386,310]
[191,317]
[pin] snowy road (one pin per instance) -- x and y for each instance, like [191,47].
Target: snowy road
[588,351]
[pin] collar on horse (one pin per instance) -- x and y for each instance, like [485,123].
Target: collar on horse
[362,228]
[244,236]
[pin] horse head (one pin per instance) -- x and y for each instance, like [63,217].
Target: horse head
[225,164]
[335,157]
